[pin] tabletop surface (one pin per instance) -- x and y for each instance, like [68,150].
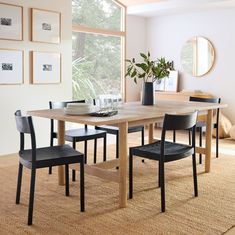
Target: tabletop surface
[130,112]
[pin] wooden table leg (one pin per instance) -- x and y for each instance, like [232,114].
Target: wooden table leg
[151,127]
[123,164]
[209,122]
[61,140]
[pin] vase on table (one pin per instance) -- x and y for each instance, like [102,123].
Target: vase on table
[148,93]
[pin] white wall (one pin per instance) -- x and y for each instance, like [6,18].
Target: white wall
[27,96]
[136,43]
[167,34]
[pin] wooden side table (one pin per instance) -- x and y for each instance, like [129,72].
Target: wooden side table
[183,95]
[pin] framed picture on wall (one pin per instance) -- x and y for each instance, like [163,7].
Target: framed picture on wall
[11,22]
[46,68]
[46,26]
[11,66]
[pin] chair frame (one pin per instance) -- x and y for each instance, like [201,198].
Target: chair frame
[215,125]
[171,122]
[25,126]
[115,132]
[53,135]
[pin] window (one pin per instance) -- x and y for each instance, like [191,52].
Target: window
[98,48]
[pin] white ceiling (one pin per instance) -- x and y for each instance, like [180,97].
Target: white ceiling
[166,7]
[137,2]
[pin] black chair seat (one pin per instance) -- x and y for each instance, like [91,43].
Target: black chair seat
[50,156]
[83,134]
[173,151]
[203,124]
[114,130]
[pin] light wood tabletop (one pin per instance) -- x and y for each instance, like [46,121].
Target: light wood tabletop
[131,114]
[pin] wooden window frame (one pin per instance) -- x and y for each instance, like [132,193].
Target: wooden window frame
[114,33]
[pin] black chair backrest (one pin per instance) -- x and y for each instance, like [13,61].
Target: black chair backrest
[179,121]
[59,105]
[208,100]
[175,122]
[24,125]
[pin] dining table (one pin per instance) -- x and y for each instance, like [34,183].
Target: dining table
[130,114]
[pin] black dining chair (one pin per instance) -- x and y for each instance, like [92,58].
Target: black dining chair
[202,124]
[113,130]
[165,151]
[78,135]
[36,158]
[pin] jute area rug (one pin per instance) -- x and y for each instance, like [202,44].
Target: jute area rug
[213,212]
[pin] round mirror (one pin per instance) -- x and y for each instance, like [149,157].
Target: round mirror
[197,56]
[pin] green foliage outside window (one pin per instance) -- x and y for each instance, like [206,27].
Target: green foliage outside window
[96,58]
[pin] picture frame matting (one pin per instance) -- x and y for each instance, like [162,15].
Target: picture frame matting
[11,66]
[11,22]
[46,67]
[45,26]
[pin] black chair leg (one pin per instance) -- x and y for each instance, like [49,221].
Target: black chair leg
[51,144]
[159,176]
[117,146]
[142,137]
[67,180]
[73,171]
[189,137]
[162,183]
[85,151]
[217,142]
[130,175]
[31,196]
[142,140]
[195,175]
[73,175]
[174,136]
[82,190]
[18,191]
[95,150]
[104,148]
[200,144]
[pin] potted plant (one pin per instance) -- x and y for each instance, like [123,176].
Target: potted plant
[149,71]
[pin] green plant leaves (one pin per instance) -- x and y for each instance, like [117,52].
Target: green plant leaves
[143,55]
[134,74]
[148,69]
[143,66]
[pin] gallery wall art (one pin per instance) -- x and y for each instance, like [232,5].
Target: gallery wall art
[46,68]
[46,26]
[11,66]
[11,22]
